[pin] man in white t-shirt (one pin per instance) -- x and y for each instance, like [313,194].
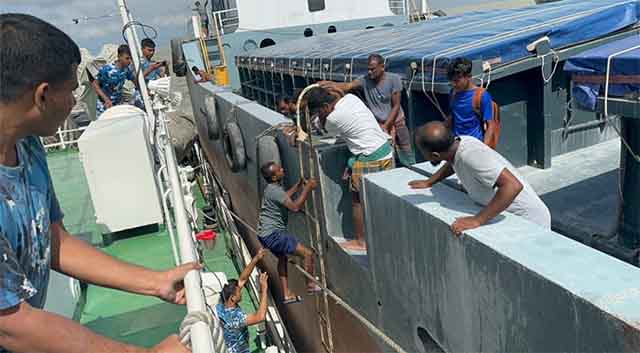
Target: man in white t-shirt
[489,179]
[349,118]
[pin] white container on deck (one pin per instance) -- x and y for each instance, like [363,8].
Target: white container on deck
[118,163]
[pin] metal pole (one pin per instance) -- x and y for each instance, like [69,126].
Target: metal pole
[134,45]
[201,337]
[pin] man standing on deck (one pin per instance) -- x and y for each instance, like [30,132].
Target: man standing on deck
[489,179]
[151,70]
[38,65]
[371,150]
[111,79]
[464,120]
[383,94]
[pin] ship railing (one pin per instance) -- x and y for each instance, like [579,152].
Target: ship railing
[227,20]
[202,329]
[65,138]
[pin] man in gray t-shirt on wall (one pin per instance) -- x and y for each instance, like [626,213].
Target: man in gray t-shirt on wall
[489,179]
[383,93]
[272,225]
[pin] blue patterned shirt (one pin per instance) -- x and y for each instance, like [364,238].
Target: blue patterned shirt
[28,206]
[112,81]
[234,327]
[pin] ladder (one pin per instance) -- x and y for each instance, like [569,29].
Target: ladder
[313,227]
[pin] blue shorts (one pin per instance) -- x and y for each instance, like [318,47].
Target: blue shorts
[279,243]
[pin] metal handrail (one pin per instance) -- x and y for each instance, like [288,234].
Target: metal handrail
[228,24]
[62,142]
[201,335]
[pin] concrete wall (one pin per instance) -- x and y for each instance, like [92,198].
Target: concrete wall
[509,286]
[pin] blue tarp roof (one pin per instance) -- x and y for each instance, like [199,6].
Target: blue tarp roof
[589,68]
[499,36]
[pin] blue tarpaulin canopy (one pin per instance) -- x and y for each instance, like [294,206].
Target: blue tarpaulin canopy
[498,37]
[589,69]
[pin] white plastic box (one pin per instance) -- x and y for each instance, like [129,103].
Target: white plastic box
[117,160]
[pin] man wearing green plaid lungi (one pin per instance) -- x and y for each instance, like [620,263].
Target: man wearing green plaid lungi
[348,117]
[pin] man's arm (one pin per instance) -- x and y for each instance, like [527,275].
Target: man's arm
[490,132]
[261,314]
[106,100]
[442,173]
[27,329]
[508,189]
[487,117]
[295,188]
[152,68]
[395,110]
[246,272]
[342,86]
[76,258]
[296,205]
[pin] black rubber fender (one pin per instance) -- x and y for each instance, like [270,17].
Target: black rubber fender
[234,150]
[211,118]
[267,151]
[177,58]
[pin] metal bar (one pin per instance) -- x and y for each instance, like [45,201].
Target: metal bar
[201,336]
[135,46]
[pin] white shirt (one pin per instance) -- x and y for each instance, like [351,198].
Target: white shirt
[478,168]
[354,122]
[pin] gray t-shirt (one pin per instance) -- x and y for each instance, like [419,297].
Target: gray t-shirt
[273,213]
[478,168]
[378,94]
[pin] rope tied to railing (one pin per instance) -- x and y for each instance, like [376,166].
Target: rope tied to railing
[195,317]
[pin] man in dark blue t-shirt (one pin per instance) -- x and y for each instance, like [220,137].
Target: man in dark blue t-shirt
[464,120]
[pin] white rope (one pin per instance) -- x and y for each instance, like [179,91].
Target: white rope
[556,62]
[606,101]
[195,317]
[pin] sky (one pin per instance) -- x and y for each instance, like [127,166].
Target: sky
[169,17]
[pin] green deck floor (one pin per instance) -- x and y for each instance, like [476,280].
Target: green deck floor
[127,317]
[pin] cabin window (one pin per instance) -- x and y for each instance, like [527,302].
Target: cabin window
[332,29]
[316,5]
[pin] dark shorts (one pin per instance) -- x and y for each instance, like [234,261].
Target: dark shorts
[280,243]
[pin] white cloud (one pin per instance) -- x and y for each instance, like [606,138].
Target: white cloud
[168,16]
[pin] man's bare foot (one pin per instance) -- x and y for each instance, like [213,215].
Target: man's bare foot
[359,245]
[313,288]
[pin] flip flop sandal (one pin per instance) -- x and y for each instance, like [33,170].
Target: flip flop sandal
[296,299]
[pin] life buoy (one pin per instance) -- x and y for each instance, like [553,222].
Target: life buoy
[177,58]
[211,118]
[233,144]
[267,151]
